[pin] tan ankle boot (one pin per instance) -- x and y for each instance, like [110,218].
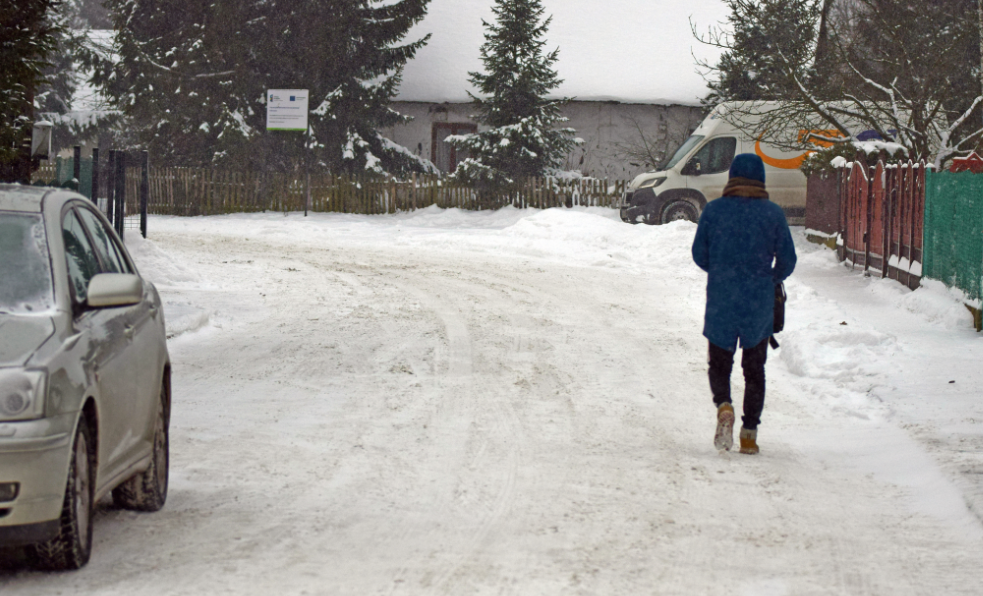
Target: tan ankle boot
[723,440]
[749,441]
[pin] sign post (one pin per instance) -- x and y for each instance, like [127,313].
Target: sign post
[286,110]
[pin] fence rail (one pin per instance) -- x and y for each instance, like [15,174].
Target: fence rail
[206,191]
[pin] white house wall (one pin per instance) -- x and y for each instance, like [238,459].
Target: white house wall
[610,131]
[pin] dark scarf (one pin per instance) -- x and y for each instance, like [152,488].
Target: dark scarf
[745,187]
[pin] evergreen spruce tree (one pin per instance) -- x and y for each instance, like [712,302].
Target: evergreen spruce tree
[61,76]
[769,42]
[28,36]
[522,139]
[193,77]
[77,53]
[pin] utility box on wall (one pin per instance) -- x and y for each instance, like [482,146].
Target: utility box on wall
[41,140]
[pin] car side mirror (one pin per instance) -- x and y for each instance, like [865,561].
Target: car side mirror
[115,289]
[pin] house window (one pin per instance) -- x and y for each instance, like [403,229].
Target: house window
[444,155]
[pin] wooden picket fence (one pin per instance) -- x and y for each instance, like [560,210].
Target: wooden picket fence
[207,191]
[882,214]
[45,172]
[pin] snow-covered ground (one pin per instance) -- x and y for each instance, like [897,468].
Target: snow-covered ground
[516,402]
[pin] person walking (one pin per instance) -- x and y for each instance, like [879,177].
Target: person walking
[744,244]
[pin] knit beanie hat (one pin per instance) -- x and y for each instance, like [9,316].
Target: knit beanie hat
[748,165]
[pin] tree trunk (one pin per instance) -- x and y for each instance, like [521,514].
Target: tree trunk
[822,42]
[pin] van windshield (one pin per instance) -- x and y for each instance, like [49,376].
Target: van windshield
[25,271]
[680,153]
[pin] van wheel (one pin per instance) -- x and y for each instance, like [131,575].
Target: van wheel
[71,548]
[680,209]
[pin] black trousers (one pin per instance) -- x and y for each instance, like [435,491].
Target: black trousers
[753,363]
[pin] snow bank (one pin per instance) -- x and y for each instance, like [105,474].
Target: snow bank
[846,356]
[181,315]
[822,340]
[581,237]
[939,304]
[158,266]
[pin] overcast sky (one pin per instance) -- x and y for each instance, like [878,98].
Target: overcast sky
[627,50]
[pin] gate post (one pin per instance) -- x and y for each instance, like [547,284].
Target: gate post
[144,190]
[77,167]
[120,191]
[110,186]
[95,176]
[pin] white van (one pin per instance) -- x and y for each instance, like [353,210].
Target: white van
[698,172]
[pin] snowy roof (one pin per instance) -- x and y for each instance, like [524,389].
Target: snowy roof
[637,51]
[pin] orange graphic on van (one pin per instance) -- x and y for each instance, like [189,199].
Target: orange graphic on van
[815,137]
[820,138]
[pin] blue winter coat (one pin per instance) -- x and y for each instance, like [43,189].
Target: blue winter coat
[746,248]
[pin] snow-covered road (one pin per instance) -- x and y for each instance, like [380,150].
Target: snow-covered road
[516,403]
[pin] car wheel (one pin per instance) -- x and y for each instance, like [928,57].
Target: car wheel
[147,491]
[680,209]
[71,548]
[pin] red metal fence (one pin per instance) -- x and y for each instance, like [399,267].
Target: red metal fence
[882,211]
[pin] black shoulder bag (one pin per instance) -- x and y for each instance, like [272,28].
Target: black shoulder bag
[780,298]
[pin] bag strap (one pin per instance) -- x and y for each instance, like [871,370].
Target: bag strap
[779,288]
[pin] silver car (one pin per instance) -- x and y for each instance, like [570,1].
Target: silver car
[84,376]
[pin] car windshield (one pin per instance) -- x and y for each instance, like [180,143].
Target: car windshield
[25,269]
[682,151]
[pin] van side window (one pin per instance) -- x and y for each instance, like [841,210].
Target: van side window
[714,157]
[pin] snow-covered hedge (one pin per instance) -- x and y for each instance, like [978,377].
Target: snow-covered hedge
[826,160]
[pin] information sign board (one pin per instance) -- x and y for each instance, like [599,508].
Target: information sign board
[286,109]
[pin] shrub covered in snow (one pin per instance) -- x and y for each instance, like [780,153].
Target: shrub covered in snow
[827,160]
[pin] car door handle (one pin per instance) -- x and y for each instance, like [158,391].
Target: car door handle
[153,311]
[128,331]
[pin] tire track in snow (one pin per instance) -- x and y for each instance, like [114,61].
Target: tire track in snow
[434,292]
[455,381]
[455,410]
[449,382]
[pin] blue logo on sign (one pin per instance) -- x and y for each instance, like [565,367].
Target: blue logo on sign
[293,98]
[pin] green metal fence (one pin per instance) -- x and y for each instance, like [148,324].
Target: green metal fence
[64,171]
[954,231]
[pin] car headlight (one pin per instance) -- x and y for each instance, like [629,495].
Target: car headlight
[21,394]
[652,182]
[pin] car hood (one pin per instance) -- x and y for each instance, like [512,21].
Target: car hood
[21,336]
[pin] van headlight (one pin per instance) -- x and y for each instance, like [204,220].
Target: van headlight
[652,182]
[21,394]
